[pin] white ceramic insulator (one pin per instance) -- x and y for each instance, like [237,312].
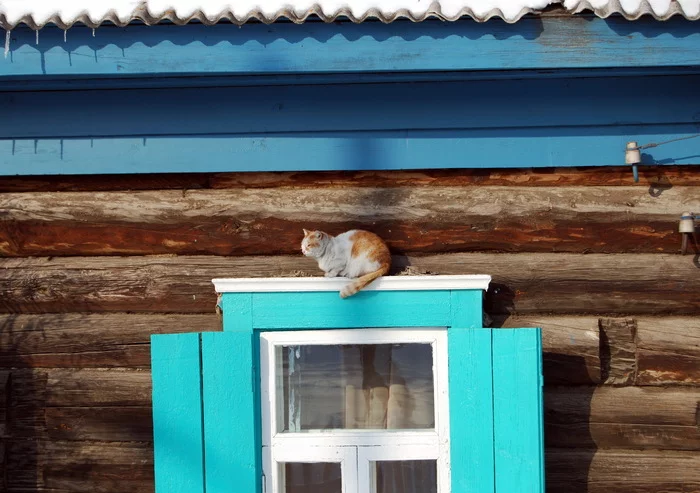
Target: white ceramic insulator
[632,154]
[687,223]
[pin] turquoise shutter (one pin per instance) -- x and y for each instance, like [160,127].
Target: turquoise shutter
[178,441]
[517,410]
[471,410]
[496,410]
[204,413]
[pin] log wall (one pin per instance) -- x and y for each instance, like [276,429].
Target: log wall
[91,266]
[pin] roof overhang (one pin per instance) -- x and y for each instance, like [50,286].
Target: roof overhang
[65,13]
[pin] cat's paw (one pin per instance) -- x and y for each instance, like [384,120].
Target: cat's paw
[330,274]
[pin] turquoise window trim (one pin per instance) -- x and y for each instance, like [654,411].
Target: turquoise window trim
[494,380]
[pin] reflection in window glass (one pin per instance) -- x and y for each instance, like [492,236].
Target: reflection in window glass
[360,386]
[317,477]
[406,476]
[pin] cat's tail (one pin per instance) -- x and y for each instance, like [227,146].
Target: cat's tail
[359,283]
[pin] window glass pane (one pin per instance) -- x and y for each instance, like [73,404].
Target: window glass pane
[317,477]
[405,476]
[360,386]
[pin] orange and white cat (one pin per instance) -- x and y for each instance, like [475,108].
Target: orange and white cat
[357,254]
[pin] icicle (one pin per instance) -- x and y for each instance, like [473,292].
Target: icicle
[93,32]
[7,43]
[37,37]
[65,35]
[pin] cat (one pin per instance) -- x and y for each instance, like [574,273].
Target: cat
[357,254]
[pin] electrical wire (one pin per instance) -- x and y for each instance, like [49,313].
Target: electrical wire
[657,144]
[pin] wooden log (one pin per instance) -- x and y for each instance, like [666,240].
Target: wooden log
[123,423]
[411,219]
[108,467]
[668,351]
[622,471]
[618,351]
[575,417]
[622,417]
[122,340]
[33,392]
[657,178]
[80,466]
[98,388]
[522,283]
[570,345]
[26,403]
[4,395]
[115,405]
[81,340]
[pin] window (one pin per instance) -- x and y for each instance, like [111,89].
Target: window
[355,411]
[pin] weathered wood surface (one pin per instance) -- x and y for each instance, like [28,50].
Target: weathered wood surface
[622,417]
[575,417]
[618,351]
[82,340]
[571,346]
[617,471]
[668,351]
[522,283]
[410,219]
[69,466]
[80,404]
[75,388]
[4,401]
[124,423]
[657,178]
[127,467]
[33,392]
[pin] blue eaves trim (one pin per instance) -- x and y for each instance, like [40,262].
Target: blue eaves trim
[403,150]
[533,43]
[352,107]
[430,110]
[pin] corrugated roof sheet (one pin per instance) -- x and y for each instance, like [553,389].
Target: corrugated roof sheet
[634,9]
[66,13]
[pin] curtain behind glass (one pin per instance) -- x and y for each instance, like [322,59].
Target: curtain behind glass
[369,386]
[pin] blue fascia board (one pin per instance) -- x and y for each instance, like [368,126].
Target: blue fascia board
[76,83]
[533,43]
[491,148]
[445,105]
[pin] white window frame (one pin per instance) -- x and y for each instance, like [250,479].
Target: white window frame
[355,449]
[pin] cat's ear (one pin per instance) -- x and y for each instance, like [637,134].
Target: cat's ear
[306,233]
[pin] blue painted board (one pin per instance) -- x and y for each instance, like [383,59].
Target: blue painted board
[231,441]
[409,106]
[177,413]
[471,410]
[32,83]
[403,46]
[517,402]
[389,150]
[366,309]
